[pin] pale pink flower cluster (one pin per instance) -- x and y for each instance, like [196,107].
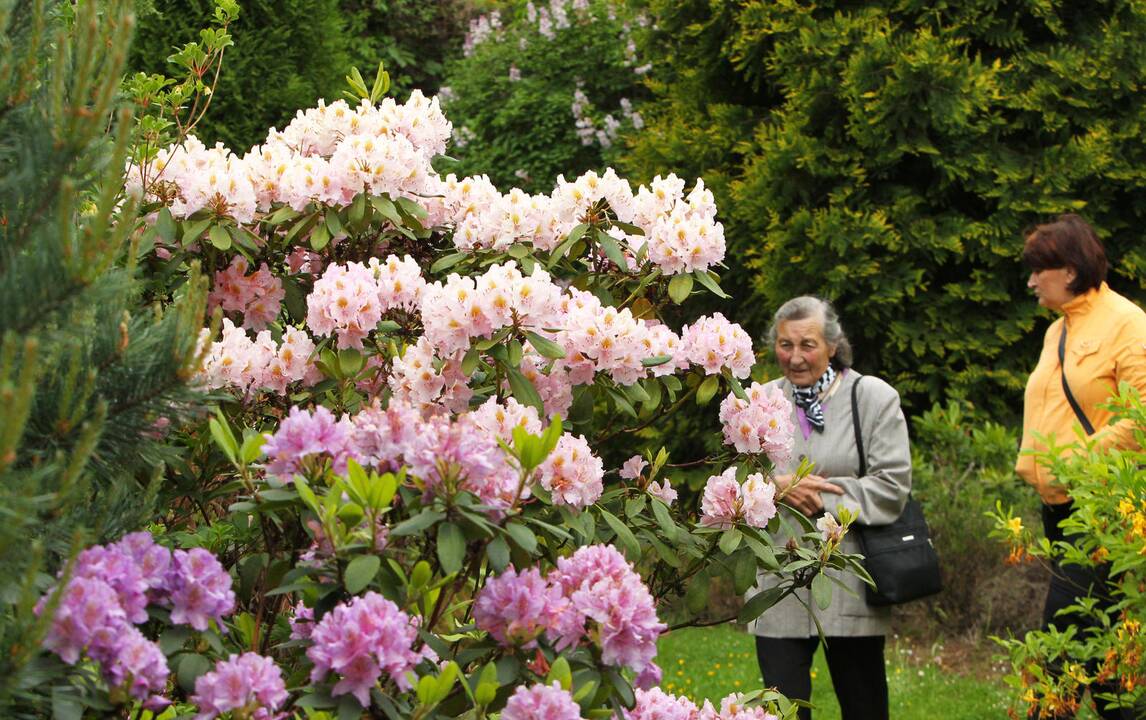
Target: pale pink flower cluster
[726,501]
[632,468]
[714,343]
[382,436]
[248,685]
[655,704]
[683,236]
[257,297]
[423,379]
[599,338]
[594,585]
[554,386]
[206,178]
[484,218]
[541,702]
[350,300]
[761,424]
[360,641]
[499,420]
[572,473]
[476,307]
[249,365]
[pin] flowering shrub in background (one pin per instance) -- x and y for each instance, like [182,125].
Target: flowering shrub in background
[546,87]
[1051,669]
[401,500]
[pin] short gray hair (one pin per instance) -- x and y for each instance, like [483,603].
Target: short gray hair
[809,306]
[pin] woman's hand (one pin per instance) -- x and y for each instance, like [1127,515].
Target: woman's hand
[805,494]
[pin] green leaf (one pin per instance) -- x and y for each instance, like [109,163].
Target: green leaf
[625,536]
[418,523]
[447,261]
[523,389]
[498,553]
[224,438]
[560,672]
[656,360]
[165,225]
[302,226]
[730,540]
[451,547]
[612,250]
[546,348]
[470,361]
[333,223]
[668,527]
[822,590]
[320,237]
[679,288]
[219,237]
[193,230]
[360,572]
[709,280]
[758,603]
[696,597]
[522,536]
[744,573]
[707,389]
[191,666]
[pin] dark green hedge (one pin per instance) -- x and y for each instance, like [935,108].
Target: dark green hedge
[889,155]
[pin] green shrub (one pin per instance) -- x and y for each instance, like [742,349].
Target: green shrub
[288,54]
[962,467]
[1109,518]
[544,90]
[888,155]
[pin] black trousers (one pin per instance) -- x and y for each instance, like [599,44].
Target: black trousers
[856,665]
[1068,584]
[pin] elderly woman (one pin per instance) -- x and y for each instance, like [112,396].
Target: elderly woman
[1099,342]
[816,360]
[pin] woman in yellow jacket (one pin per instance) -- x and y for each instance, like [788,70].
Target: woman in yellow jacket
[1099,342]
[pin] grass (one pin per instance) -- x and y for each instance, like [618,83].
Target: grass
[709,663]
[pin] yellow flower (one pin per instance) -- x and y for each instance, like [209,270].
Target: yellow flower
[1015,525]
[1125,506]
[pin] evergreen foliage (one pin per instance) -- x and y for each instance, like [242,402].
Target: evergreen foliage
[544,89]
[290,53]
[889,155]
[89,376]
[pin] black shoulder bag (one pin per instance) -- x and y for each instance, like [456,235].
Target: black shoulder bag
[899,556]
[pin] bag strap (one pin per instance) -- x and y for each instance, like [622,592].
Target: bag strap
[1082,419]
[856,425]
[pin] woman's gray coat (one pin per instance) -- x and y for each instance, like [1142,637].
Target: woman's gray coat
[879,498]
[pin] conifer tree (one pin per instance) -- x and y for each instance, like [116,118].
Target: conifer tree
[90,375]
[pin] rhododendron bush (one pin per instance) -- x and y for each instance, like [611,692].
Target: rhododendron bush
[402,505]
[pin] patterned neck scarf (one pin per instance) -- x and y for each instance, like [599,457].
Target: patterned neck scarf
[808,398]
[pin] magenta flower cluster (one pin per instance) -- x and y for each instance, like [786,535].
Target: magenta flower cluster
[304,437]
[249,685]
[360,641]
[594,595]
[541,702]
[110,589]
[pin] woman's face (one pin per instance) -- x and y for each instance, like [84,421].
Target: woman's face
[1051,286]
[801,350]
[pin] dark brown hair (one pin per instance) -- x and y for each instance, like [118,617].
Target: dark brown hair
[1071,242]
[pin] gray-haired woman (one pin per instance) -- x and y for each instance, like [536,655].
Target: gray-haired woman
[815,357]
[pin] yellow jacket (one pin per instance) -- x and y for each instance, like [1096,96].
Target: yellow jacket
[1105,345]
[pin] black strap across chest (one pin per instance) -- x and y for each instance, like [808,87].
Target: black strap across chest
[1082,419]
[856,426]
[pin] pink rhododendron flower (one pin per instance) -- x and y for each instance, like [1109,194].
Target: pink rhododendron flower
[304,436]
[301,622]
[200,589]
[656,704]
[662,490]
[344,302]
[763,423]
[632,468]
[726,501]
[120,571]
[362,640]
[138,666]
[247,683]
[714,344]
[88,616]
[500,419]
[257,297]
[515,608]
[732,707]
[459,455]
[382,438]
[541,702]
[572,473]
